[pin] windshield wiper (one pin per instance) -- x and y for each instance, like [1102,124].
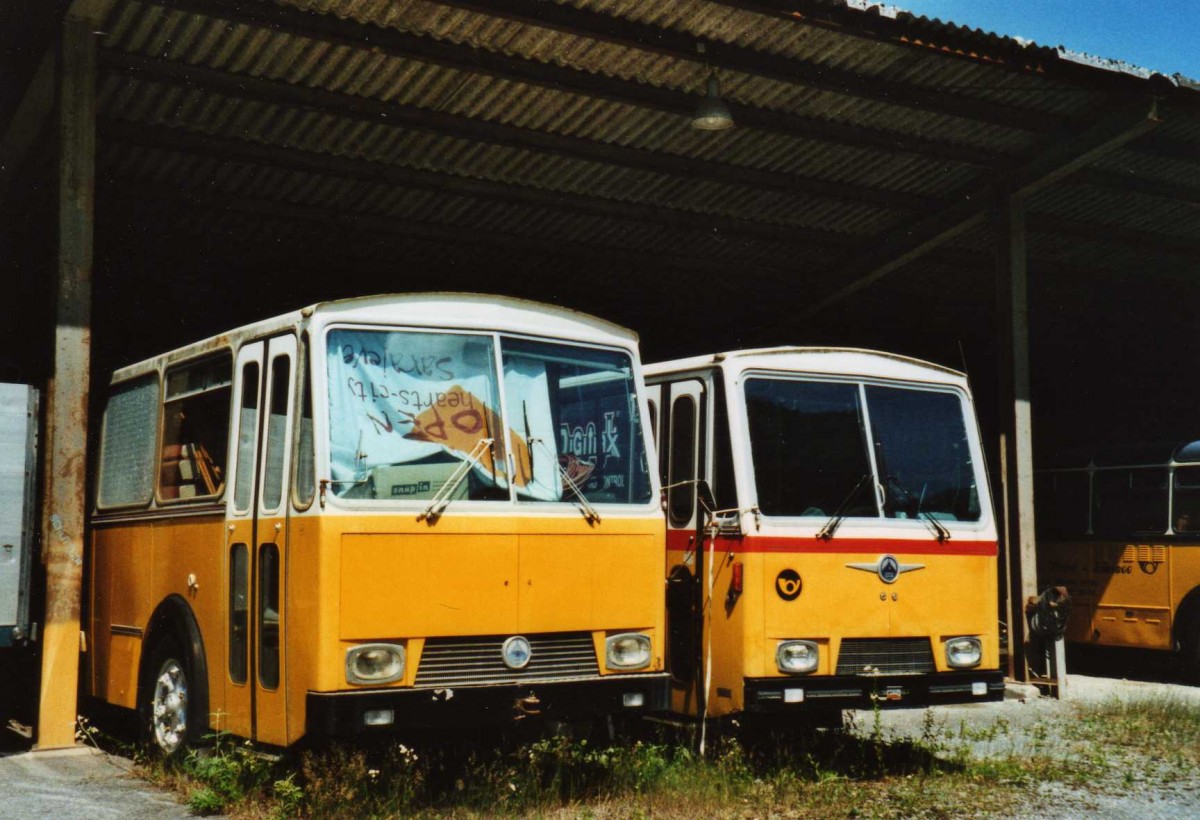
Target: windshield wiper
[589,512]
[441,499]
[939,530]
[826,532]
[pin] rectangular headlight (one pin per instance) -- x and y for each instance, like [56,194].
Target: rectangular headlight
[629,650]
[797,657]
[963,653]
[374,663]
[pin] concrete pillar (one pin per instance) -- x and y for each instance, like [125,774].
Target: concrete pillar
[65,445]
[1016,426]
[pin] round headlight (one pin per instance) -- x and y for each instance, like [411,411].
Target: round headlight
[374,663]
[629,650]
[516,652]
[962,653]
[797,656]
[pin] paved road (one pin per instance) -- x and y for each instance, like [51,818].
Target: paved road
[78,783]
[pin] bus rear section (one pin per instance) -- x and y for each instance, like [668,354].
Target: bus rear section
[830,538]
[377,516]
[1120,528]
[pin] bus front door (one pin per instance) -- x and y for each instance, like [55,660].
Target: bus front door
[256,557]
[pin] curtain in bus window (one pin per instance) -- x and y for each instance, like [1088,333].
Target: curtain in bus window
[533,442]
[922,453]
[809,447]
[579,406]
[407,408]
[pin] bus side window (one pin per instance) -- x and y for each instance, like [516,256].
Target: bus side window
[681,499]
[724,488]
[1126,501]
[306,481]
[195,429]
[128,439]
[276,438]
[268,616]
[1186,503]
[239,608]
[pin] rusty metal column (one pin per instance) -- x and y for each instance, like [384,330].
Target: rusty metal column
[1016,425]
[64,503]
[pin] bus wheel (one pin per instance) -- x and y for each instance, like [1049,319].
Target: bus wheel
[165,700]
[1190,648]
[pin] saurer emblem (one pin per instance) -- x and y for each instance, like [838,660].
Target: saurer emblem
[887,567]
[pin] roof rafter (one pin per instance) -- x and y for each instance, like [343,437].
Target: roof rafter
[709,226]
[683,46]
[395,115]
[331,29]
[374,223]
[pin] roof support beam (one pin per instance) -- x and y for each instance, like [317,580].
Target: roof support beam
[706,226]
[363,109]
[64,497]
[32,115]
[905,245]
[350,33]
[683,46]
[1016,422]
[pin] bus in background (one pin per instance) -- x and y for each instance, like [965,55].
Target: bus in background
[830,536]
[1120,528]
[374,515]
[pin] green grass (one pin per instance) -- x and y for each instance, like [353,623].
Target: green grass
[865,773]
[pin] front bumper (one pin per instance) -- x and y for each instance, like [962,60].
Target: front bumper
[772,695]
[342,714]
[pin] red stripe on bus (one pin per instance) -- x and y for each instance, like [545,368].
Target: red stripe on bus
[680,540]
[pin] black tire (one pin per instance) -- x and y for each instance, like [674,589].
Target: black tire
[1189,647]
[164,705]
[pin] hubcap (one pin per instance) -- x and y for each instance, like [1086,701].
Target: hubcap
[170,706]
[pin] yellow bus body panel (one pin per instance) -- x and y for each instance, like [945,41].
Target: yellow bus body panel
[1123,593]
[352,578]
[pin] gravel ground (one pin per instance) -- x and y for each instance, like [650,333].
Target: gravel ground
[1116,783]
[79,783]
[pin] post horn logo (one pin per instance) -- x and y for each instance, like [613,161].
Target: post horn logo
[787,584]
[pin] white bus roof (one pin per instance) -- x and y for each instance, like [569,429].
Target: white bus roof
[831,360]
[454,311]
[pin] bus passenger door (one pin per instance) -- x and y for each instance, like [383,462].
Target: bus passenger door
[269,561]
[680,440]
[236,714]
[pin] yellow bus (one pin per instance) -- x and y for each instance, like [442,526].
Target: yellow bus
[830,541]
[375,515]
[1120,528]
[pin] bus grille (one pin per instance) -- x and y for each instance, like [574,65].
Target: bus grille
[885,656]
[476,660]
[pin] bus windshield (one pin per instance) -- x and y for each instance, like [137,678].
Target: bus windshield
[407,408]
[574,421]
[813,442]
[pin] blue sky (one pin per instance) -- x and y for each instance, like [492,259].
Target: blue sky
[1163,35]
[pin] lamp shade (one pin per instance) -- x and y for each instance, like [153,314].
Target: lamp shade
[712,113]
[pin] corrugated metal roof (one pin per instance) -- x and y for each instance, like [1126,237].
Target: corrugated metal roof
[561,129]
